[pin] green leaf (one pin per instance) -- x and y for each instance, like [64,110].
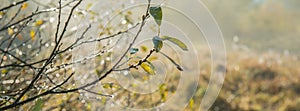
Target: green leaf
[148,67]
[107,85]
[38,105]
[156,13]
[133,50]
[176,42]
[157,42]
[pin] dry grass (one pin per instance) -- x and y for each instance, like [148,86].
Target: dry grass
[268,82]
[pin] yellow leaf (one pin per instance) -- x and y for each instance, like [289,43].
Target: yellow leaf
[101,33]
[144,48]
[191,103]
[10,31]
[107,85]
[39,22]
[88,107]
[129,13]
[89,6]
[24,6]
[164,95]
[24,97]
[152,58]
[2,13]
[32,34]
[148,68]
[145,78]
[4,71]
[103,100]
[2,101]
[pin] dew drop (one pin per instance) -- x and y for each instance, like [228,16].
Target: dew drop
[15,30]
[124,21]
[4,58]
[126,73]
[235,39]
[52,19]
[129,26]
[74,28]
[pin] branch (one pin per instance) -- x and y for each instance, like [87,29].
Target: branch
[10,43]
[49,59]
[144,17]
[139,63]
[12,5]
[25,18]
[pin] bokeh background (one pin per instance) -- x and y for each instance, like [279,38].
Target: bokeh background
[262,45]
[262,38]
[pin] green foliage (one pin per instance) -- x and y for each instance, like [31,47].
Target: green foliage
[60,60]
[107,85]
[4,71]
[156,13]
[133,50]
[157,42]
[38,105]
[176,42]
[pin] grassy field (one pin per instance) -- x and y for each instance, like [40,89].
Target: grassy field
[254,82]
[257,82]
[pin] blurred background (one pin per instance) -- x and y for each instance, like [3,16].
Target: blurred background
[261,25]
[261,38]
[262,41]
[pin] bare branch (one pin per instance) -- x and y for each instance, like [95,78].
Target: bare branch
[12,5]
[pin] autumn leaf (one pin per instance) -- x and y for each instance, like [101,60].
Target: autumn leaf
[144,49]
[10,31]
[24,6]
[20,36]
[32,34]
[39,22]
[149,68]
[1,13]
